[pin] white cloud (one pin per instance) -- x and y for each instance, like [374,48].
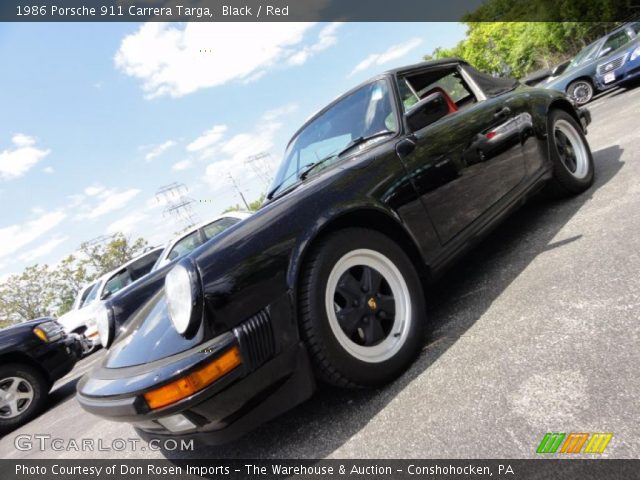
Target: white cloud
[326,38]
[167,58]
[159,150]
[182,165]
[42,250]
[127,224]
[48,170]
[94,190]
[392,53]
[15,162]
[106,201]
[22,140]
[14,237]
[207,139]
[235,151]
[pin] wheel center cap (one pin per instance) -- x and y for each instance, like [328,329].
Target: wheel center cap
[373,305]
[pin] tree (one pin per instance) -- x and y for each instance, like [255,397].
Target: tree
[27,295]
[40,290]
[104,257]
[517,48]
[68,278]
[253,206]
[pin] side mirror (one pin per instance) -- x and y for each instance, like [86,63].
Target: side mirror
[427,111]
[605,51]
[558,69]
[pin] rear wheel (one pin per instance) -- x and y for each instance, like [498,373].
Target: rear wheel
[581,91]
[573,170]
[362,309]
[23,393]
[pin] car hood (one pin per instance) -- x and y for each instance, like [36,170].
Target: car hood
[149,336]
[24,326]
[75,318]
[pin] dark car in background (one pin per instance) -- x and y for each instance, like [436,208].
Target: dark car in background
[579,79]
[620,68]
[377,195]
[33,355]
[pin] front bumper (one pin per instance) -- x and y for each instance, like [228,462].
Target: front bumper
[629,70]
[269,381]
[584,114]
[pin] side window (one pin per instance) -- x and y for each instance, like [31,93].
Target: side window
[218,227]
[186,245]
[116,283]
[449,82]
[615,41]
[635,27]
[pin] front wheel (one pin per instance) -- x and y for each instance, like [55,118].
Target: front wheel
[581,91]
[362,309]
[573,170]
[23,393]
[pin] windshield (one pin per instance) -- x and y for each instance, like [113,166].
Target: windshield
[585,54]
[363,113]
[91,296]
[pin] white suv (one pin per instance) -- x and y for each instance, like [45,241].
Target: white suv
[81,318]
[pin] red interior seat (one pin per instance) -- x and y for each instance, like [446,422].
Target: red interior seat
[450,103]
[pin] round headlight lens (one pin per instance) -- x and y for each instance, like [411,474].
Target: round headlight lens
[180,297]
[103,324]
[635,54]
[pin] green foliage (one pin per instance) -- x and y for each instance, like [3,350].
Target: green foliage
[517,48]
[253,206]
[27,295]
[40,290]
[104,257]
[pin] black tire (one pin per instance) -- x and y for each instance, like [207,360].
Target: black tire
[565,182]
[333,363]
[40,388]
[581,91]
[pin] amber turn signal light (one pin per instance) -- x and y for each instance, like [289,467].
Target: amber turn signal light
[195,381]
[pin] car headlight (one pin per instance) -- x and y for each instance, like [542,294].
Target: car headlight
[105,324]
[48,332]
[41,334]
[184,297]
[635,54]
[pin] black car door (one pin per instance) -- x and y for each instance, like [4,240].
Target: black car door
[466,161]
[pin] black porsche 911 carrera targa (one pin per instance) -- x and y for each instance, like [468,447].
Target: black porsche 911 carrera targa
[376,195]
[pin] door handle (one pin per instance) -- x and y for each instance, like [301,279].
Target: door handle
[502,113]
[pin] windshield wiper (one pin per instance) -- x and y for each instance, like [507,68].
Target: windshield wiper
[309,168]
[360,140]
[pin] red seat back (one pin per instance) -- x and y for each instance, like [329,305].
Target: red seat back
[450,103]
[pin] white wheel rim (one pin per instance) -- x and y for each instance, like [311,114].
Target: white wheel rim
[573,153]
[16,395]
[582,92]
[395,328]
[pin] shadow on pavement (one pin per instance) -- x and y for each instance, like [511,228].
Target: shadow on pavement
[321,425]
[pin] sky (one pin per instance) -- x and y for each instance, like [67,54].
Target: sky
[96,117]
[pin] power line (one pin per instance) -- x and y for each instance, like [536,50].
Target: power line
[177,203]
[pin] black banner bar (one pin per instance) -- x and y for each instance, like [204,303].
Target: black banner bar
[566,469]
[313,10]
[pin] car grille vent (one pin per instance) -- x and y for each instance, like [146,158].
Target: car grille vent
[255,336]
[611,66]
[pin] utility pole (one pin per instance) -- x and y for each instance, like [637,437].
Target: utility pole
[237,189]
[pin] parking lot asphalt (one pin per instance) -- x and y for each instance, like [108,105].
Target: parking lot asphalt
[537,330]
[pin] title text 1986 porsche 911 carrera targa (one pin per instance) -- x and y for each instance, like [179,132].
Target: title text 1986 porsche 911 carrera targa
[376,195]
